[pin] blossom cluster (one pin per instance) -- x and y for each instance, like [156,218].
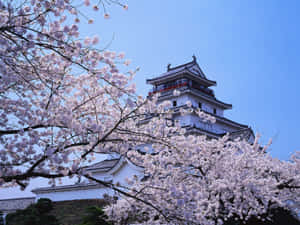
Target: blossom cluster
[60,96]
[201,181]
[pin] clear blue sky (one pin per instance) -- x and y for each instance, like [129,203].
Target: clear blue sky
[249,47]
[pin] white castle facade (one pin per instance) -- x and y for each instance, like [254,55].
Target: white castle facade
[193,85]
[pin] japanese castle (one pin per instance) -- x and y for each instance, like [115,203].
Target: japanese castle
[195,87]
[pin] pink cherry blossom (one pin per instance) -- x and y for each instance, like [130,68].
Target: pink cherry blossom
[106,16]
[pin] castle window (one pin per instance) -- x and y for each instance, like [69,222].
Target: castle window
[200,105]
[174,103]
[215,111]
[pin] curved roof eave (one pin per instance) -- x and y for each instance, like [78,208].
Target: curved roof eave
[169,76]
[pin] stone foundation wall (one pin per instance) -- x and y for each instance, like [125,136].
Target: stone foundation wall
[71,212]
[11,205]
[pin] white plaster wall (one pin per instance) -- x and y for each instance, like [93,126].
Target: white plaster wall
[126,171]
[76,195]
[212,127]
[206,106]
[102,176]
[192,120]
[222,128]
[220,112]
[184,120]
[182,100]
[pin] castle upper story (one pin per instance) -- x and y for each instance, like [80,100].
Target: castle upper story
[193,86]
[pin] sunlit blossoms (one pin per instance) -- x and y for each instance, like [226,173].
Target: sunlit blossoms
[61,99]
[200,181]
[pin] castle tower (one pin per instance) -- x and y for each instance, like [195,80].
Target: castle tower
[194,86]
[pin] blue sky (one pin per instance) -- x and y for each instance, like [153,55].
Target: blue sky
[249,47]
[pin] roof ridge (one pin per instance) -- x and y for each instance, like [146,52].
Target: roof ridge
[182,65]
[100,166]
[20,198]
[60,187]
[110,159]
[241,130]
[105,160]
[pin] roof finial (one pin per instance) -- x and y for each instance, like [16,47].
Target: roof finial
[169,66]
[194,58]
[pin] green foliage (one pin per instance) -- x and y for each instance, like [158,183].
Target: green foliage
[44,205]
[1,218]
[95,216]
[277,216]
[35,214]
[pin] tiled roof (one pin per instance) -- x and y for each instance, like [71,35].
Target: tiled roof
[198,130]
[218,118]
[104,165]
[245,133]
[80,186]
[208,98]
[190,67]
[224,119]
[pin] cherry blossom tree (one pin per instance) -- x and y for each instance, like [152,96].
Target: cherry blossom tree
[201,181]
[62,101]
